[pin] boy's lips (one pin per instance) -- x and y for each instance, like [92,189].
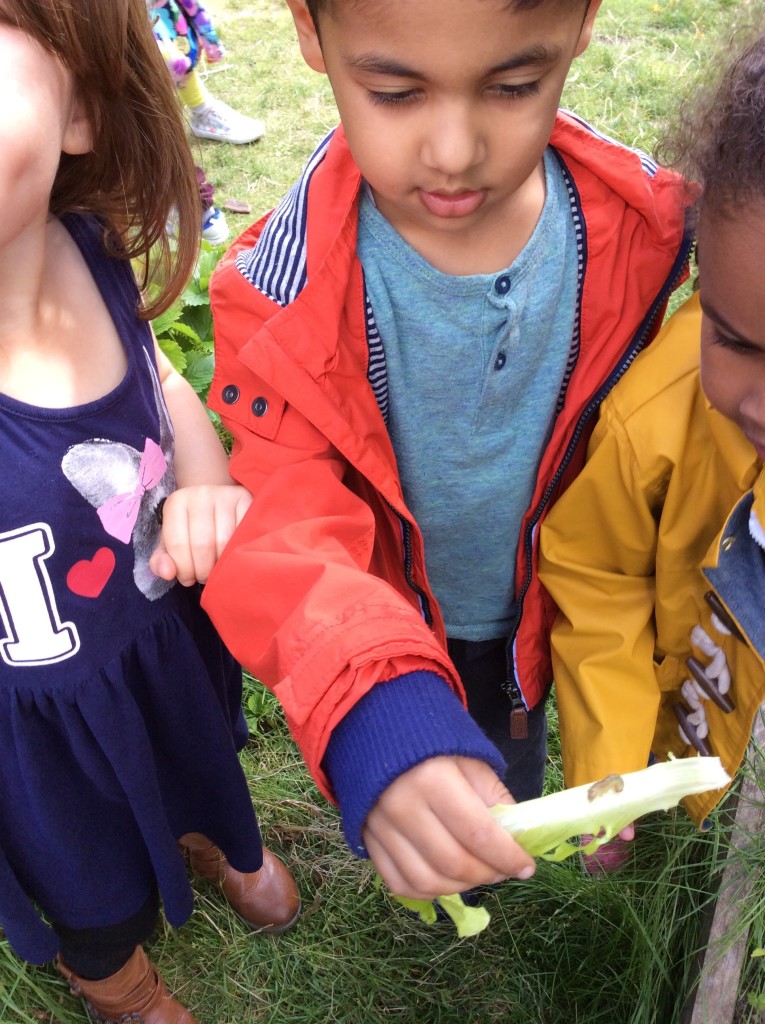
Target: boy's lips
[452,204]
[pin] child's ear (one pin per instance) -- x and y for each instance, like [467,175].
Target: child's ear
[308,37]
[78,137]
[586,34]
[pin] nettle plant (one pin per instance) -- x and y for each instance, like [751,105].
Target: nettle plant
[184,331]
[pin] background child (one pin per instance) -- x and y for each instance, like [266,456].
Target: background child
[120,715]
[410,350]
[186,35]
[655,555]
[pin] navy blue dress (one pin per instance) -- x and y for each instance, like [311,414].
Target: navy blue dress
[120,710]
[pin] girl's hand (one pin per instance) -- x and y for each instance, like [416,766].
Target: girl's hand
[610,856]
[431,833]
[197,522]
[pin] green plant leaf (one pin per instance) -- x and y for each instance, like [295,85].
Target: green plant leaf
[199,371]
[166,320]
[424,908]
[179,327]
[174,353]
[602,809]
[543,827]
[193,295]
[208,261]
[468,920]
[199,318]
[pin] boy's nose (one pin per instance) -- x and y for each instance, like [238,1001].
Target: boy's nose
[454,141]
[752,408]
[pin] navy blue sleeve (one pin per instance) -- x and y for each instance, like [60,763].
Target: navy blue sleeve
[395,726]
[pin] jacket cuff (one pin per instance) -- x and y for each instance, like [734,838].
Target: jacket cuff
[394,727]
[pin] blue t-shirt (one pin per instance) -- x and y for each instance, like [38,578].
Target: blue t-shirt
[475,365]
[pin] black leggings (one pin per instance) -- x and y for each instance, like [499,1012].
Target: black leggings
[97,953]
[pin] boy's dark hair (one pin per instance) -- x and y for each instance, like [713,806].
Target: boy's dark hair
[719,141]
[140,167]
[315,6]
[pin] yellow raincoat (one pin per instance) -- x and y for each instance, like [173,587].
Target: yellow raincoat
[657,519]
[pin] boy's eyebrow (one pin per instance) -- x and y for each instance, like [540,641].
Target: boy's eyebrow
[538,54]
[380,65]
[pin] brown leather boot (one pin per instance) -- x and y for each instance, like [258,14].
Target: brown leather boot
[136,993]
[266,900]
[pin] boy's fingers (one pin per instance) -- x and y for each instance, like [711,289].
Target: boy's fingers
[432,831]
[431,862]
[487,784]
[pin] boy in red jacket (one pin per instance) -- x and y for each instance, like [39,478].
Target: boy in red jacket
[410,352]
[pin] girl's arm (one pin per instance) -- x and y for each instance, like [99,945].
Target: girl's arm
[199,517]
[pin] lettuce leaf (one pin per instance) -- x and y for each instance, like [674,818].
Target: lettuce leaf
[601,809]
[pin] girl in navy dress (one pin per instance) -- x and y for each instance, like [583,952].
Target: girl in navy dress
[120,711]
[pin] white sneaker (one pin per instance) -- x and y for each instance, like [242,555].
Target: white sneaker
[214,226]
[219,122]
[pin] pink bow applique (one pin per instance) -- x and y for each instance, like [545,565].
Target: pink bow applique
[119,514]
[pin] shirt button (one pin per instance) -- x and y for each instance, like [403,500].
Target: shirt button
[230,394]
[259,407]
[502,285]
[728,542]
[500,361]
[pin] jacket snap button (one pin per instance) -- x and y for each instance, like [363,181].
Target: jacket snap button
[502,285]
[728,543]
[230,394]
[259,407]
[500,361]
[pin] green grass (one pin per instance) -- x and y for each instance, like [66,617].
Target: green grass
[562,949]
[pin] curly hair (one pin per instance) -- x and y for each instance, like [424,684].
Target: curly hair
[719,140]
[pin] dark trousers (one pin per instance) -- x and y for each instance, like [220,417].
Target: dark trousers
[482,666]
[97,953]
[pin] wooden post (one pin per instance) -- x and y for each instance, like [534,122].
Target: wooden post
[714,999]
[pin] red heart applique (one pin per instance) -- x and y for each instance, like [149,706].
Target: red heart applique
[89,577]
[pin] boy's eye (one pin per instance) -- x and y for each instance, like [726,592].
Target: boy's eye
[393,99]
[505,91]
[517,92]
[733,344]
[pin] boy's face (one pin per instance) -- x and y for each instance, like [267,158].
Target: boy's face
[448,106]
[731,258]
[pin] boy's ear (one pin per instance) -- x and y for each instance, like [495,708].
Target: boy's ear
[78,137]
[586,34]
[308,37]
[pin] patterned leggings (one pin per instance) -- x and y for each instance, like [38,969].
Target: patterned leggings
[184,32]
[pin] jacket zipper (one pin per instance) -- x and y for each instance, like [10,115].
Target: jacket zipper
[406,537]
[512,685]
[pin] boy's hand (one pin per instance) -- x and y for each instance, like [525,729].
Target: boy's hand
[430,833]
[197,522]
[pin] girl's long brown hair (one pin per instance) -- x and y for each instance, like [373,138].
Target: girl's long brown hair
[140,167]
